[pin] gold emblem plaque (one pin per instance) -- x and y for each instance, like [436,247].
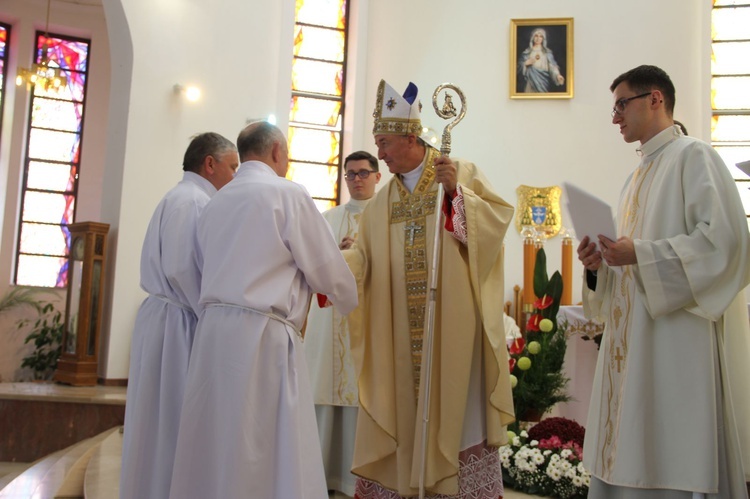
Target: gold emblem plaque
[539,207]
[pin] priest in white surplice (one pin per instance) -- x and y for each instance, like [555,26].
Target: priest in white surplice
[248,422]
[166,321]
[329,357]
[668,416]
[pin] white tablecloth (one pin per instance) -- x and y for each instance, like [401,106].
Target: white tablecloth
[580,363]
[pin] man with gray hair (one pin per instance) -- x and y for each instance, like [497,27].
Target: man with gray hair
[248,427]
[470,397]
[166,320]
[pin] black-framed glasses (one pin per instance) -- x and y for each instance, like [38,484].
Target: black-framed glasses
[363,174]
[620,104]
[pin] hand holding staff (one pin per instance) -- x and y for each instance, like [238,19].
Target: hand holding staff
[446,175]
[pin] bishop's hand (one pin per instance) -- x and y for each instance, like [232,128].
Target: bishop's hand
[346,243]
[445,173]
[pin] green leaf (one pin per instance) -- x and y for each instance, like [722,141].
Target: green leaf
[554,289]
[540,273]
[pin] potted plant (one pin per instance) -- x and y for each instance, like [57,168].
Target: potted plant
[536,361]
[46,335]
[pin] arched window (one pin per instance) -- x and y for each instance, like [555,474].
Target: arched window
[51,165]
[317,108]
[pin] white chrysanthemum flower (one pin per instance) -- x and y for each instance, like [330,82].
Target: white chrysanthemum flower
[587,480]
[566,453]
[534,443]
[554,474]
[581,469]
[516,441]
[547,452]
[524,434]
[577,481]
[539,459]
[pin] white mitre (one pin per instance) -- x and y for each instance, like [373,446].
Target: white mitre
[395,114]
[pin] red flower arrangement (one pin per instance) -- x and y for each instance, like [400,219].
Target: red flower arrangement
[547,460]
[563,429]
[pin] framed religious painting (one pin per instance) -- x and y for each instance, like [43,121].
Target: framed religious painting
[541,58]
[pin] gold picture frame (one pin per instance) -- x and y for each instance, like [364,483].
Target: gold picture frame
[541,58]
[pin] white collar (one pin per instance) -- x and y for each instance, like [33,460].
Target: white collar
[410,179]
[659,140]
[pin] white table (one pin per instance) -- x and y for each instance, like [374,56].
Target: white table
[580,363]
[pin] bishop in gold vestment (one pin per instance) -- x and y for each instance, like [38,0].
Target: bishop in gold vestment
[470,401]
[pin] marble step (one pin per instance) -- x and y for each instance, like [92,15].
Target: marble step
[102,479]
[11,471]
[75,469]
[43,479]
[24,484]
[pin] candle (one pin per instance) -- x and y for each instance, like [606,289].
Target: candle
[567,271]
[529,258]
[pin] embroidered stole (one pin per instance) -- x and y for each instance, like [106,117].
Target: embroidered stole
[412,210]
[621,314]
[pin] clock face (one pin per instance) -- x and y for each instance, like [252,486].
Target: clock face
[78,249]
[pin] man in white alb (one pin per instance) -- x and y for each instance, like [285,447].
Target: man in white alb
[248,420]
[668,416]
[332,374]
[166,321]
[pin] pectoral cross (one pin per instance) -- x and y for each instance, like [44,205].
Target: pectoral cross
[618,358]
[412,228]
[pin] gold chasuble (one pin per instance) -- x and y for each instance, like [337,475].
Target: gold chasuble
[391,263]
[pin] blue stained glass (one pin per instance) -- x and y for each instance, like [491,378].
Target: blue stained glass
[67,54]
[3,40]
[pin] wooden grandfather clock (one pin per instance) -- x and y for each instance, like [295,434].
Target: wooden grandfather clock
[83,312]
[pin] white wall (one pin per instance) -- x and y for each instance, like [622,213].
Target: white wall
[538,142]
[239,53]
[25,17]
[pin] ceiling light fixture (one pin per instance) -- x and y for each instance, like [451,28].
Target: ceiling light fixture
[41,73]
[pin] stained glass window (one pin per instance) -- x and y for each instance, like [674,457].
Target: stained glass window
[4,37]
[730,78]
[317,107]
[52,165]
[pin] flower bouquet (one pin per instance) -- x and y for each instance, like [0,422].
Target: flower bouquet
[536,361]
[546,460]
